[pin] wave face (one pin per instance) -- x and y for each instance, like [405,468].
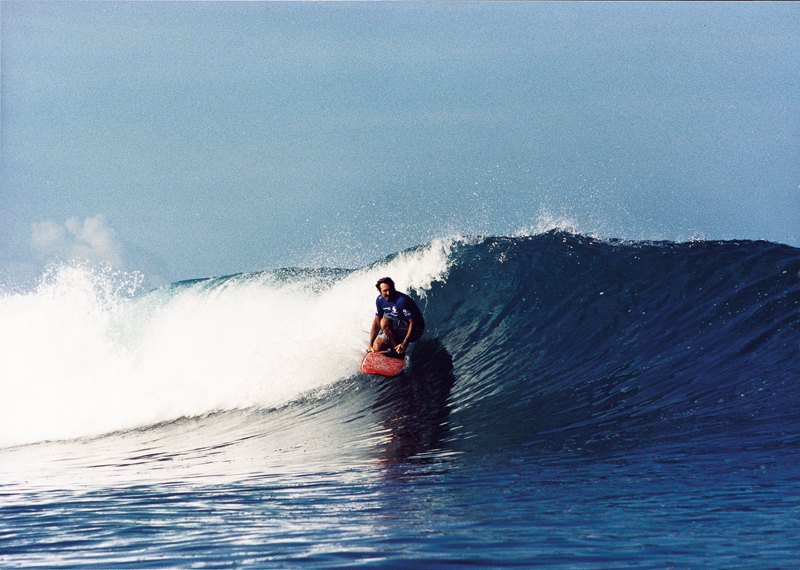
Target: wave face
[567,341]
[573,401]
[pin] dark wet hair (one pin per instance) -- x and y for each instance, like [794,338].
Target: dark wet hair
[387,280]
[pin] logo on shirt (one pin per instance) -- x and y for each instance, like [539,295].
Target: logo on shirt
[391,312]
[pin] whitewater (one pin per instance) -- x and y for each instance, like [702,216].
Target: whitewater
[575,403]
[81,357]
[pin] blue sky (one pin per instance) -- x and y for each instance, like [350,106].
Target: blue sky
[189,139]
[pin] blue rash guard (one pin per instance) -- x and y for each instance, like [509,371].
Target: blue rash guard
[402,309]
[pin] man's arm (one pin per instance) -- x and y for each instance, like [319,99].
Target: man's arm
[401,348]
[376,326]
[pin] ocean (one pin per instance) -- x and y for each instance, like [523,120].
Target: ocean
[575,403]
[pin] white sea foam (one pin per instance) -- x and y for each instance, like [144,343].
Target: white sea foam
[80,357]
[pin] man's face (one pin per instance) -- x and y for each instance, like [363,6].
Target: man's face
[386,291]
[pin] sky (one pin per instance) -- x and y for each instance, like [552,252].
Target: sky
[190,139]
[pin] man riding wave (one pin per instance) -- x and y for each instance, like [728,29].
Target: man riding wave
[398,320]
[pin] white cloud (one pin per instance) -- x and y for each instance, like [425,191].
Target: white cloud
[91,240]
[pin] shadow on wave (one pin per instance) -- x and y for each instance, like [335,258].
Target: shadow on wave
[414,406]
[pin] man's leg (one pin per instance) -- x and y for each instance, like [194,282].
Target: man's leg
[381,344]
[387,326]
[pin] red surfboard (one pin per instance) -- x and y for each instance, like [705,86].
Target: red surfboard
[382,364]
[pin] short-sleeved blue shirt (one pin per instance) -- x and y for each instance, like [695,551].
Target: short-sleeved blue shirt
[402,309]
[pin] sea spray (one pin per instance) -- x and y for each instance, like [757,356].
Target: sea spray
[59,358]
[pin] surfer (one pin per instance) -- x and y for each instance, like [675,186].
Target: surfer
[398,321]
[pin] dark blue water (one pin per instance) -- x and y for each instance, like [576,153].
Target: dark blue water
[575,404]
